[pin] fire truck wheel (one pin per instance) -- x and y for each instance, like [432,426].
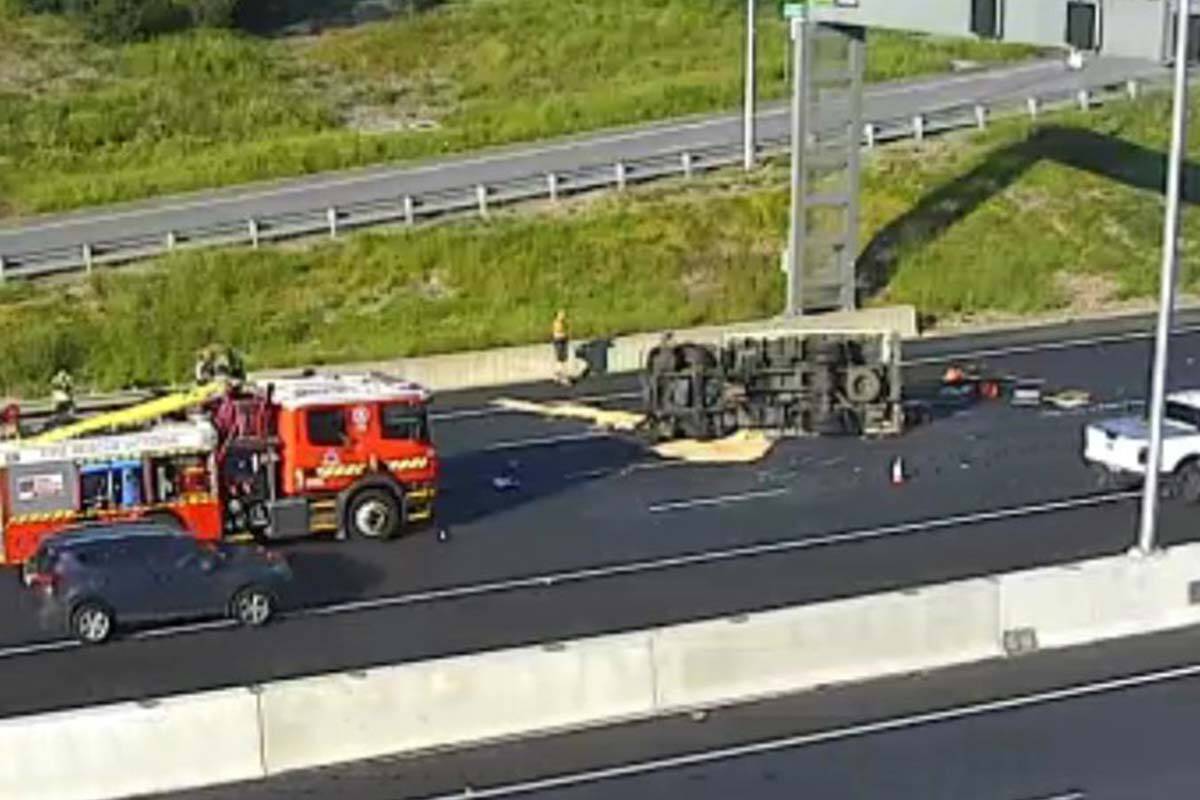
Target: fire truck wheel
[252,606]
[91,622]
[373,514]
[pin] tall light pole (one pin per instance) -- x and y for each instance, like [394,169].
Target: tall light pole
[796,231]
[748,141]
[1166,298]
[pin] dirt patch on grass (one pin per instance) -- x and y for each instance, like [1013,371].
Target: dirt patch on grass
[1087,292]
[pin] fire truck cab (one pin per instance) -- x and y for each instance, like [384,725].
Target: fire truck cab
[347,454]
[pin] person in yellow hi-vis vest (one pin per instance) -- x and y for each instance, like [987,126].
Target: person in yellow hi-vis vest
[558,336]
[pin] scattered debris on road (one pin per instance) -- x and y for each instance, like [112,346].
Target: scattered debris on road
[743,447]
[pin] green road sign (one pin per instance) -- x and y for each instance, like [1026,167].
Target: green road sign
[795,10]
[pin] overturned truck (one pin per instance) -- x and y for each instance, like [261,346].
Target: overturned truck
[785,383]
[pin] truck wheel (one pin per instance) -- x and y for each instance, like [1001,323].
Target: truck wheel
[374,514]
[1188,482]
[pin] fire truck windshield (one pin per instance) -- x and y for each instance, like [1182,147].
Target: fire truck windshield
[404,421]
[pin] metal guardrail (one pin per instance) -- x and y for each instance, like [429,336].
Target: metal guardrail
[481,199]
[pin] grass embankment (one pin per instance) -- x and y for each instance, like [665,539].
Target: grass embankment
[84,124]
[1003,221]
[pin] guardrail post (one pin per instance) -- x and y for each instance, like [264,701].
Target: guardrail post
[1132,88]
[870,133]
[1085,99]
[481,195]
[331,215]
[170,240]
[686,160]
[1032,105]
[980,116]
[410,216]
[2,269]
[552,186]
[87,257]
[620,168]
[918,124]
[253,226]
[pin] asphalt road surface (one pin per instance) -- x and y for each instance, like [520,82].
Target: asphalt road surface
[603,537]
[23,240]
[1113,721]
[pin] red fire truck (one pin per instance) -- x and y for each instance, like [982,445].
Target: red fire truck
[343,454]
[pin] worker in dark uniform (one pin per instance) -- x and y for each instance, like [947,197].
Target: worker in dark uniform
[558,336]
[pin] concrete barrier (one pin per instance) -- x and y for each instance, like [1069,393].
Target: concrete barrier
[1100,599]
[777,652]
[532,363]
[217,737]
[455,701]
[130,749]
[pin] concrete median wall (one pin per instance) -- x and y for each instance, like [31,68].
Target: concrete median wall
[129,748]
[845,640]
[1099,599]
[327,719]
[533,363]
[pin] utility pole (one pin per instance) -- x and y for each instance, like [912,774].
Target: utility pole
[795,303]
[748,139]
[1166,298]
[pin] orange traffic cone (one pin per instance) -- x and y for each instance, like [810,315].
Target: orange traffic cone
[897,471]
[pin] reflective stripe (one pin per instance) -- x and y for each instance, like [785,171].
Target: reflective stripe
[416,462]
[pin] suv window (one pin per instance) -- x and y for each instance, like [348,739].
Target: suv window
[404,421]
[1185,414]
[326,426]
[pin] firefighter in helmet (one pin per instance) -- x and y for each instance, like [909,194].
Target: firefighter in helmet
[62,393]
[205,370]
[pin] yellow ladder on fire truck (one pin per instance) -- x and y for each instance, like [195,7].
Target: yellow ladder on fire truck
[140,414]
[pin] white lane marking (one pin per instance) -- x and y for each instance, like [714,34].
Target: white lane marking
[538,442]
[1062,796]
[631,568]
[713,556]
[1066,344]
[40,647]
[720,500]
[1036,347]
[211,625]
[376,174]
[846,733]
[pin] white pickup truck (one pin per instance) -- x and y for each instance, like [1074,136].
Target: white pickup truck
[1116,448]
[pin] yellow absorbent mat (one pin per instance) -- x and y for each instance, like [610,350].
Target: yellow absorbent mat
[742,447]
[600,417]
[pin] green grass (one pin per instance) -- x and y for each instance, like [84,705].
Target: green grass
[83,124]
[1032,214]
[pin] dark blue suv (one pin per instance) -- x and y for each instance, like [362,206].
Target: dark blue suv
[93,579]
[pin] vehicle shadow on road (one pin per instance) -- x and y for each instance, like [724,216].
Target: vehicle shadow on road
[323,576]
[1100,154]
[487,483]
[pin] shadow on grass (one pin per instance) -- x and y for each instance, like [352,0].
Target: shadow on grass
[283,17]
[1107,156]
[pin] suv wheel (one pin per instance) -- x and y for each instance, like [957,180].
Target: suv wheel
[91,623]
[1188,482]
[374,514]
[253,607]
